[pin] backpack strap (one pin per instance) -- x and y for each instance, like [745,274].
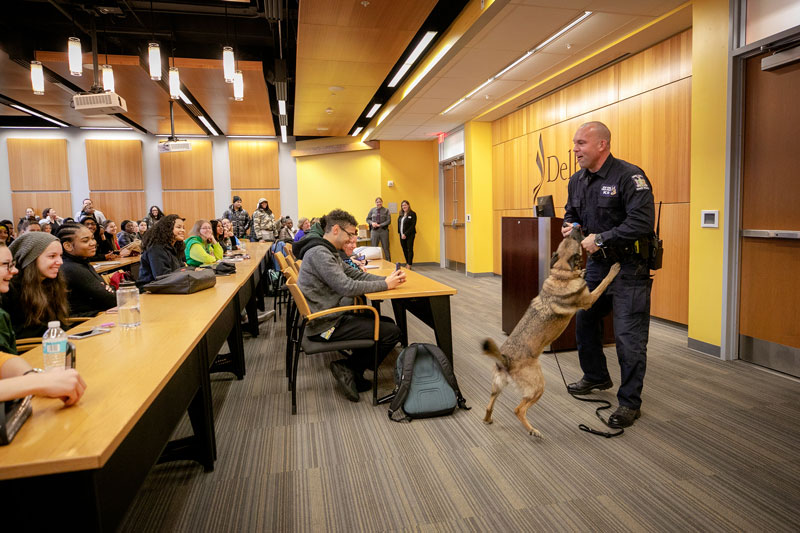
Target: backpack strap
[449,375]
[401,392]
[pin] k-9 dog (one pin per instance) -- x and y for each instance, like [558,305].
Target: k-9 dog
[563,293]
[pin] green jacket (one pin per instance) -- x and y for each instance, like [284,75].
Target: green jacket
[201,253]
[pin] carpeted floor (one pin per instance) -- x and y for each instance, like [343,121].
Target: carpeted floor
[715,449]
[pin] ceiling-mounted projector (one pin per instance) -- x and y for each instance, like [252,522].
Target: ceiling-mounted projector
[174,145]
[105,103]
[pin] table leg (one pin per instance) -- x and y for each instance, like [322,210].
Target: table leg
[401,320]
[251,308]
[440,312]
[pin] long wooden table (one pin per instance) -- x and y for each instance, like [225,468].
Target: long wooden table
[85,463]
[101,267]
[424,298]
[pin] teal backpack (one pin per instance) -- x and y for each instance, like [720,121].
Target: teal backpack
[425,385]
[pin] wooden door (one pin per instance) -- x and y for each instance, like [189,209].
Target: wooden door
[769,332]
[454,216]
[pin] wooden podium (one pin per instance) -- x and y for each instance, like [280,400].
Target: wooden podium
[527,245]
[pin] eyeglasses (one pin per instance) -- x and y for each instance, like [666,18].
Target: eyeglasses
[350,234]
[9,265]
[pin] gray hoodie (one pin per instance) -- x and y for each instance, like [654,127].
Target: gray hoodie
[327,282]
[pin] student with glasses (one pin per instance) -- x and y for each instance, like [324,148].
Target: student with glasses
[327,282]
[17,378]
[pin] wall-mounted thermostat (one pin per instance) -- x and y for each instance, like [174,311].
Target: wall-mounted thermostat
[709,219]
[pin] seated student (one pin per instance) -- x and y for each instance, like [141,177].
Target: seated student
[286,234]
[49,216]
[128,233]
[201,246]
[17,378]
[349,259]
[303,225]
[88,293]
[231,239]
[142,228]
[105,250]
[5,235]
[29,224]
[89,209]
[38,294]
[9,230]
[218,230]
[326,282]
[45,227]
[154,215]
[29,213]
[313,235]
[162,249]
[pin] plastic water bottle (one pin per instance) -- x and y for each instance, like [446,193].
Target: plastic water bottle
[128,305]
[54,345]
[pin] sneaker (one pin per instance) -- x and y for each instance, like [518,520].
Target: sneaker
[363,384]
[623,417]
[345,380]
[584,386]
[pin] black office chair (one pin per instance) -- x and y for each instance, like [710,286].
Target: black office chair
[304,344]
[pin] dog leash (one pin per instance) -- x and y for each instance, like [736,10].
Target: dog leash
[584,427]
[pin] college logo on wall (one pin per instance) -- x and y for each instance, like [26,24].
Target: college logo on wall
[551,168]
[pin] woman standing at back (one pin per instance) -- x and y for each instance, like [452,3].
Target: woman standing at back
[407,227]
[153,216]
[163,249]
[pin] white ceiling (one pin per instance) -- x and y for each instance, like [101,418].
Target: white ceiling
[517,27]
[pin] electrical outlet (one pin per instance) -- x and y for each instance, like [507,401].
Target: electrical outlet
[469,218]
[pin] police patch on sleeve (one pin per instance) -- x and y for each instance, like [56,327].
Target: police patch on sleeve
[640,182]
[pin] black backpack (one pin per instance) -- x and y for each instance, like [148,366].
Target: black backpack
[425,385]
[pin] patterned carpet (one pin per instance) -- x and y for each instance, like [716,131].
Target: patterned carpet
[715,449]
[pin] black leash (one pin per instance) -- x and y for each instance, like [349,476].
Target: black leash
[607,405]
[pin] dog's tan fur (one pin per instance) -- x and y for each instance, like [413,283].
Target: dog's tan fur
[563,293]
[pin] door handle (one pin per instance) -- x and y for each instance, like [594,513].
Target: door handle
[771,234]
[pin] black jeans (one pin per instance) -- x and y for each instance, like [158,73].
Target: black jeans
[408,247]
[362,326]
[628,297]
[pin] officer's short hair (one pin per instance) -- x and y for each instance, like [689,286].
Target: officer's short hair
[602,130]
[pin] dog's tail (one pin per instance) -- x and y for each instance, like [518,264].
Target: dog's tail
[491,349]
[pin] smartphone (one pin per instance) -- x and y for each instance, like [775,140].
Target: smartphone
[396,267]
[91,333]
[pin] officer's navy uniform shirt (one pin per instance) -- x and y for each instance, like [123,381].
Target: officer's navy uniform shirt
[615,202]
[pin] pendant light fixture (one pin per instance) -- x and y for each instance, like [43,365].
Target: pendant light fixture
[238,86]
[154,54]
[108,77]
[75,56]
[174,83]
[37,77]
[228,64]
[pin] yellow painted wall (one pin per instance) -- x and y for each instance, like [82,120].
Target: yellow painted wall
[709,101]
[348,181]
[478,187]
[414,168]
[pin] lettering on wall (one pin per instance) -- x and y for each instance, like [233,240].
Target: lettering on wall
[551,168]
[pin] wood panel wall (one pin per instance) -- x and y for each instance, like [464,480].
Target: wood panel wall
[39,175]
[116,179]
[187,179]
[646,102]
[254,173]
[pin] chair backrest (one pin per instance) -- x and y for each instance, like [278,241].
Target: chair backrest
[288,250]
[299,299]
[281,260]
[292,263]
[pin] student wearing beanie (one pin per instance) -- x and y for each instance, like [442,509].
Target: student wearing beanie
[38,294]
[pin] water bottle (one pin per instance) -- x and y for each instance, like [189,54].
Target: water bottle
[54,345]
[128,305]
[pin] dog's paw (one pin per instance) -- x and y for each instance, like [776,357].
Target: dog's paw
[614,269]
[535,433]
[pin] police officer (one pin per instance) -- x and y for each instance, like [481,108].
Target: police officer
[612,201]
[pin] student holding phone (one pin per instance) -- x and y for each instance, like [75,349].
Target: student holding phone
[88,293]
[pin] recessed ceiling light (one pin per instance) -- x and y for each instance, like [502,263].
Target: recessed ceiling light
[365,3]
[329,110]
[322,129]
[373,110]
[358,130]
[335,88]
[421,46]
